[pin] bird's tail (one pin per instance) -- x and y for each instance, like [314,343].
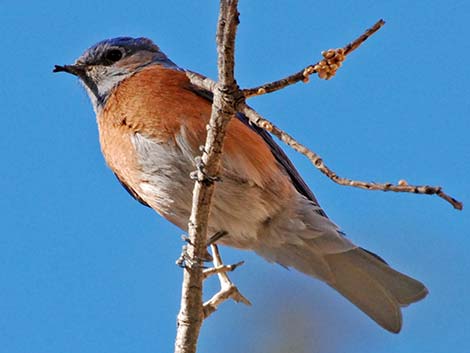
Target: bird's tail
[373,286]
[359,275]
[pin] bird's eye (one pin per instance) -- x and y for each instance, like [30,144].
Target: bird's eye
[113,55]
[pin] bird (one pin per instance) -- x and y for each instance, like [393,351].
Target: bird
[152,122]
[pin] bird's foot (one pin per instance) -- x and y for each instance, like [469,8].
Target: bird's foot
[186,260]
[200,173]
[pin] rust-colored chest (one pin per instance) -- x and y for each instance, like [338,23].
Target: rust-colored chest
[154,103]
[160,104]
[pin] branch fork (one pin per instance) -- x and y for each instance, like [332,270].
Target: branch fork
[191,314]
[228,290]
[229,99]
[326,69]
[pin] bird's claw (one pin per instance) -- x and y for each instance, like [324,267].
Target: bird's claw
[188,261]
[200,170]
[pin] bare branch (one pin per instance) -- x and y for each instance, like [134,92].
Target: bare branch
[324,68]
[220,269]
[207,84]
[357,42]
[200,81]
[317,161]
[227,289]
[191,312]
[227,100]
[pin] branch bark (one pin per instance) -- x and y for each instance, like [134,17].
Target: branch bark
[304,74]
[191,313]
[258,120]
[318,163]
[229,99]
[227,289]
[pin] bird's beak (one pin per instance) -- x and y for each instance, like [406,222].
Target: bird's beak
[77,70]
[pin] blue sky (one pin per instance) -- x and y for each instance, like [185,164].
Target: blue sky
[84,268]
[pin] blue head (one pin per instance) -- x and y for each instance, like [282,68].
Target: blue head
[110,61]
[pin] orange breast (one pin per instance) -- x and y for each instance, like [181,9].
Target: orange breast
[158,102]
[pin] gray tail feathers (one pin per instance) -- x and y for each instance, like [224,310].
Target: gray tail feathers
[373,286]
[361,276]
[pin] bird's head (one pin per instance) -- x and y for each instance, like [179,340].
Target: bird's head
[110,61]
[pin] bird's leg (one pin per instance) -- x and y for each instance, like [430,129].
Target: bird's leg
[216,237]
[186,260]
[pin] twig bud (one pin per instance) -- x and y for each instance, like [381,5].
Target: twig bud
[266,125]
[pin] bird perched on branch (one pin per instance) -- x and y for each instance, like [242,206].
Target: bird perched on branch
[152,121]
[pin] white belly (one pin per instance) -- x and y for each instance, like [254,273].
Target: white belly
[239,206]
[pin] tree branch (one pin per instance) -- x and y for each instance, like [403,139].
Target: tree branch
[317,161]
[221,269]
[191,313]
[229,99]
[255,118]
[227,289]
[324,68]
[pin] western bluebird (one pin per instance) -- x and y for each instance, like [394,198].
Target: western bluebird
[151,123]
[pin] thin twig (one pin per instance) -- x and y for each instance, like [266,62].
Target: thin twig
[303,74]
[227,100]
[191,312]
[201,81]
[369,32]
[227,289]
[207,84]
[317,161]
[222,268]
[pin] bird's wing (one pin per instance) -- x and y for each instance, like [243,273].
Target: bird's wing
[278,153]
[131,191]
